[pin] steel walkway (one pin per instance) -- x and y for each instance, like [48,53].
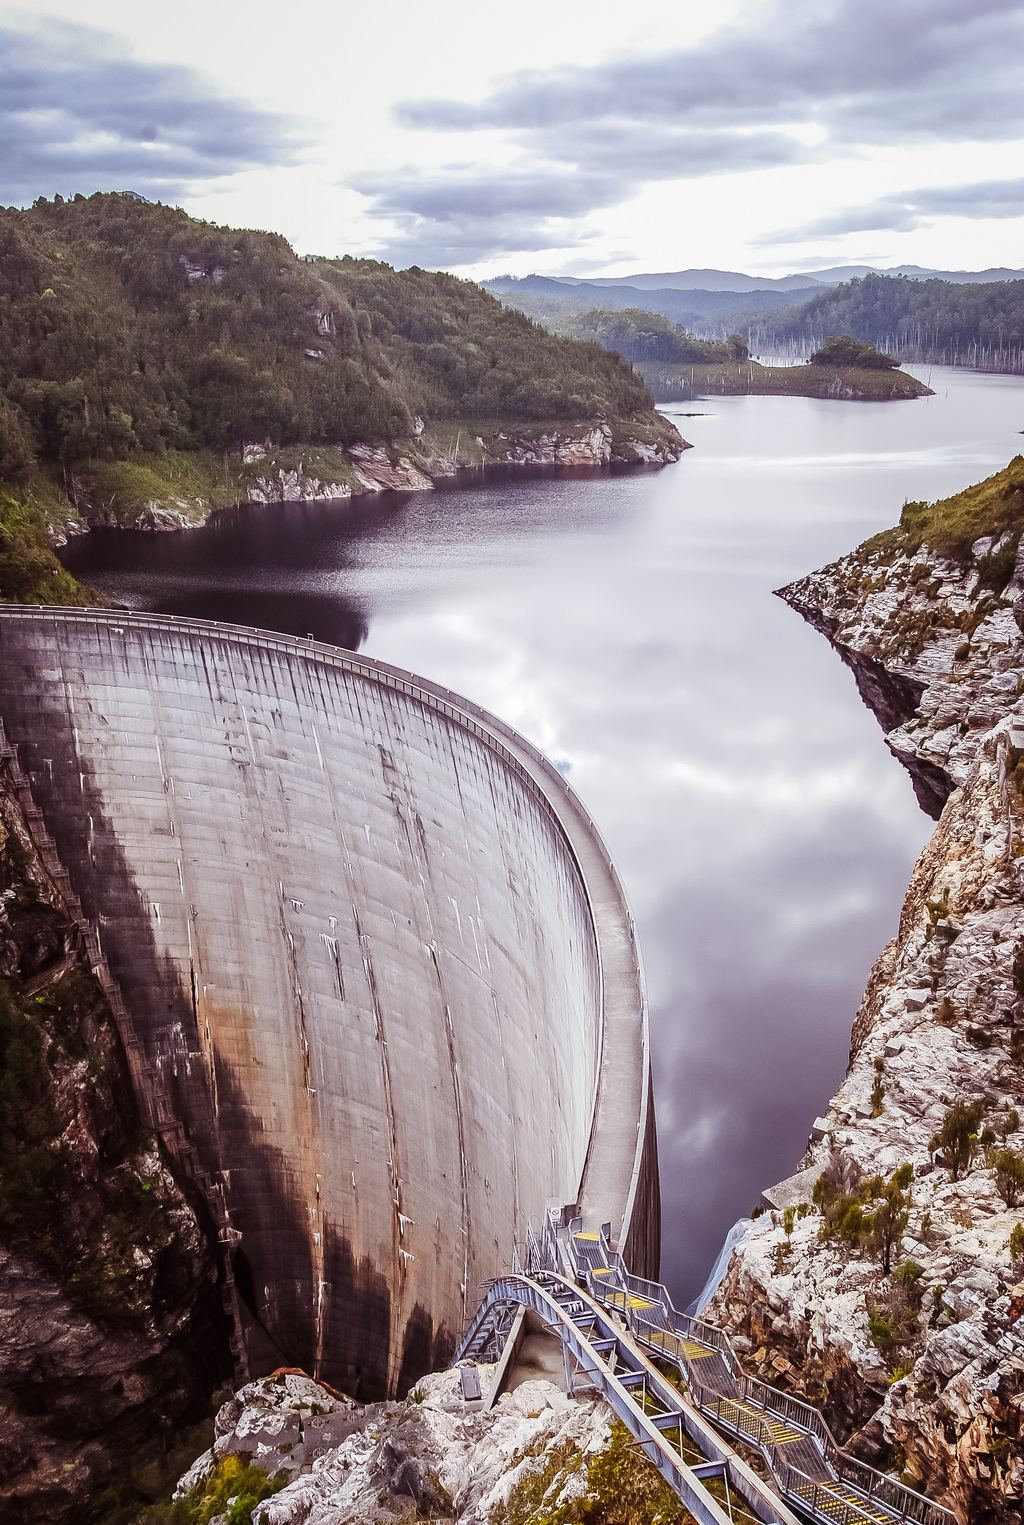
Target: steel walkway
[714,1484]
[576,1269]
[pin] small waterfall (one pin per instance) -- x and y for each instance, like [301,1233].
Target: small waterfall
[719,1268]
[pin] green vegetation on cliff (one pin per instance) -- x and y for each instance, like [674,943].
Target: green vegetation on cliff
[132,335]
[952,525]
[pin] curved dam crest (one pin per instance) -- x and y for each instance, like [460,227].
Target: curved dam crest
[378,982]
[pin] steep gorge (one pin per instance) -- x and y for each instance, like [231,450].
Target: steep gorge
[921,1360]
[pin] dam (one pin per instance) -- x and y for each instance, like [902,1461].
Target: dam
[374,971]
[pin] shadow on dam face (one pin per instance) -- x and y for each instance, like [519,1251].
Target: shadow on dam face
[377,980]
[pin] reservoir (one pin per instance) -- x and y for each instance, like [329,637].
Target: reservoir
[625,623]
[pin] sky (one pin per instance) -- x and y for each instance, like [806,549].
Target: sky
[556,136]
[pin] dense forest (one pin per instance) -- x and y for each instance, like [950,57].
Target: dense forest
[641,336]
[980,325]
[678,366]
[134,338]
[938,321]
[126,326]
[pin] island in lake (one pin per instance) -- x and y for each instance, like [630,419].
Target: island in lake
[678,366]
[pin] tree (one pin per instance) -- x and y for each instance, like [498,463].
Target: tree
[1008,1165]
[957,1140]
[1017,1243]
[873,1213]
[888,1220]
[842,350]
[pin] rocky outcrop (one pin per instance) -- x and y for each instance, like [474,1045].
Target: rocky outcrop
[112,1333]
[263,473]
[935,644]
[890,1290]
[324,1460]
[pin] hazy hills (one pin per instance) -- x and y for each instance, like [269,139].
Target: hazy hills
[737,281]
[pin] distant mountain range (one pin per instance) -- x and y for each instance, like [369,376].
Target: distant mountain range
[736,281]
[716,301]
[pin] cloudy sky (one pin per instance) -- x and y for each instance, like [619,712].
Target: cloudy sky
[566,136]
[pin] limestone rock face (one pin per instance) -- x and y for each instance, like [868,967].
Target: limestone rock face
[924,1370]
[427,1457]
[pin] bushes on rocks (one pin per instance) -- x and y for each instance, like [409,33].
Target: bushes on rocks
[1008,1165]
[871,1213]
[230,1494]
[957,1140]
[1017,1243]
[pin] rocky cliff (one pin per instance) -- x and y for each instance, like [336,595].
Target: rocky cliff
[112,1335]
[887,1280]
[296,1453]
[179,491]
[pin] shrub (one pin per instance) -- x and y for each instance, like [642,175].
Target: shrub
[880,1328]
[1017,1243]
[237,1479]
[878,1087]
[1008,1165]
[841,350]
[957,1140]
[874,1215]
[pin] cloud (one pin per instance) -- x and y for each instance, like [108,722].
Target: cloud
[463,214]
[786,85]
[936,66]
[80,112]
[480,213]
[912,209]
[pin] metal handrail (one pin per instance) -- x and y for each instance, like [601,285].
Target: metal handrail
[575,1321]
[614,1291]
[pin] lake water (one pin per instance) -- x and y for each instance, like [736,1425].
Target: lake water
[626,624]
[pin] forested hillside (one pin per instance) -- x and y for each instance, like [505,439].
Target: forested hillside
[641,336]
[127,326]
[132,336]
[678,366]
[552,302]
[938,321]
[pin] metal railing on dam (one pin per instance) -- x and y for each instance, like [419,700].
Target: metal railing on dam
[373,966]
[810,1471]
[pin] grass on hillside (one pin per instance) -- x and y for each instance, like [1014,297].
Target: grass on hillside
[29,571]
[952,525]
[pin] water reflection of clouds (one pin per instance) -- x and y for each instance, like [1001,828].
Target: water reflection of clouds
[626,625]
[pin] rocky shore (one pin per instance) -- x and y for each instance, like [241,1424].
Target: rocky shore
[886,1279]
[175,492]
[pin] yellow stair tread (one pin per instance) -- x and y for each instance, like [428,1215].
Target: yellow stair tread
[781,1434]
[631,1300]
[587,1234]
[837,1501]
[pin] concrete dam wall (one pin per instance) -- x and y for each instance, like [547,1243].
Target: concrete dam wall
[375,974]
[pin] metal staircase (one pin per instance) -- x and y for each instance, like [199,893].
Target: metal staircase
[633,1336]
